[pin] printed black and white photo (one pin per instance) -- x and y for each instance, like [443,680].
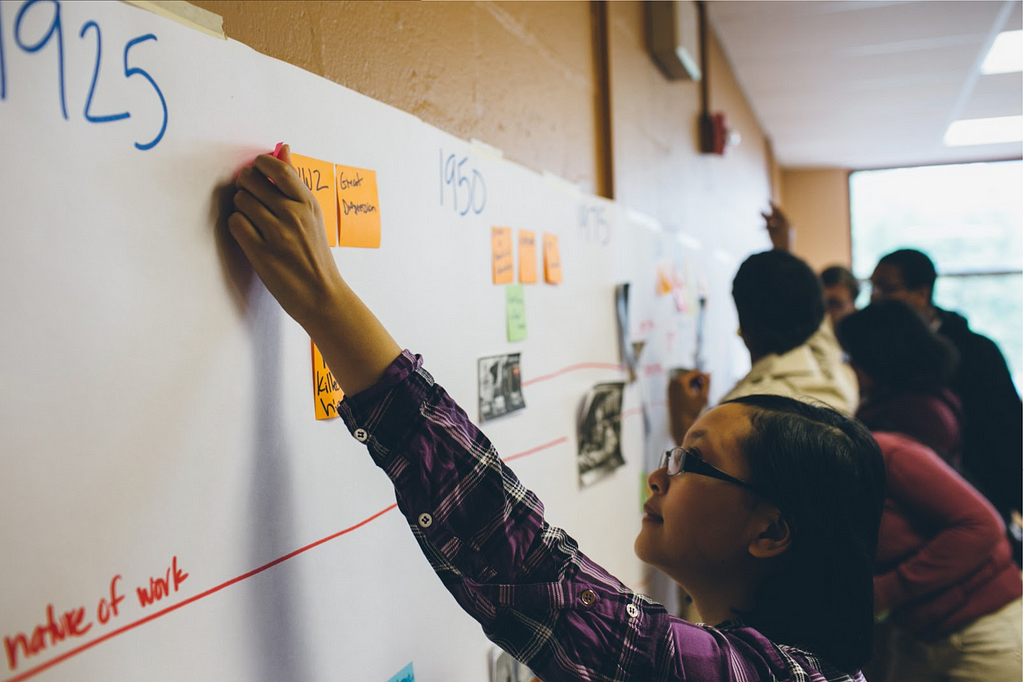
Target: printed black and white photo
[627,349]
[500,385]
[600,430]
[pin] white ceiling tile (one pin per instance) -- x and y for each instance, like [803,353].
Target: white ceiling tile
[863,84]
[995,95]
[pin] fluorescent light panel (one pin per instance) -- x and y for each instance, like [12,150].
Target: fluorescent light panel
[974,131]
[1005,55]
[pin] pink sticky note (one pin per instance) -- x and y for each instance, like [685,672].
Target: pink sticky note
[276,154]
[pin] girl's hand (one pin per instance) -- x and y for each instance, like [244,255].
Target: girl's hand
[687,398]
[780,231]
[280,227]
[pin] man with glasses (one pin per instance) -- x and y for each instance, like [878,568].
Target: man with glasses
[841,291]
[992,411]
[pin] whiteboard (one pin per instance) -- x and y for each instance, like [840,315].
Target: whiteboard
[157,405]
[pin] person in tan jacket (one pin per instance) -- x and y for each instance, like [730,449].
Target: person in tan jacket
[793,351]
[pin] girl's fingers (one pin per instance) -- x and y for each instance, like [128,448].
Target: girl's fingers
[286,155]
[254,182]
[283,176]
[258,215]
[244,232]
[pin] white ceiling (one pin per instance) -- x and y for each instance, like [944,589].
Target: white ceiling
[869,84]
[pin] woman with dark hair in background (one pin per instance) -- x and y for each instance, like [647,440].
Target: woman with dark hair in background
[904,369]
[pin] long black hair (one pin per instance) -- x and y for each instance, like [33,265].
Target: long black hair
[891,343]
[826,474]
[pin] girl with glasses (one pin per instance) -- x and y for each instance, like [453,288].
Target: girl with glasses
[768,515]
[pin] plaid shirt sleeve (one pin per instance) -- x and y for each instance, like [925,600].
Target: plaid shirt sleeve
[535,594]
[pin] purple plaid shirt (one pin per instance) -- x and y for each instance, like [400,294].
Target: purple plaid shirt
[535,594]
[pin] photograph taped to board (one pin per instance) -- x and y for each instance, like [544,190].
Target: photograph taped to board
[600,431]
[628,351]
[501,389]
[504,668]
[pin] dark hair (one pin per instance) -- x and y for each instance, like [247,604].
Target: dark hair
[779,302]
[825,473]
[837,274]
[915,267]
[891,343]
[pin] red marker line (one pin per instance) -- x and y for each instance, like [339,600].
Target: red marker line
[537,449]
[572,368]
[31,672]
[153,616]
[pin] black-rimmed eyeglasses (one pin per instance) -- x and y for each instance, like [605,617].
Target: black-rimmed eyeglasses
[679,460]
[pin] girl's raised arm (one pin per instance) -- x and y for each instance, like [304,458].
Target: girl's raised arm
[279,225]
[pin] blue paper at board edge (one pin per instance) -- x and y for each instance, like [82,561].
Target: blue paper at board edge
[404,675]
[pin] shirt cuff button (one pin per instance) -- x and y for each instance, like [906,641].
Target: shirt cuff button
[361,435]
[632,610]
[425,520]
[588,597]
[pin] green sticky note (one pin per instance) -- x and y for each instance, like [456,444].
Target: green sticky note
[515,312]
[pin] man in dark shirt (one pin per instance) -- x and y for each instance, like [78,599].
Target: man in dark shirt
[992,416]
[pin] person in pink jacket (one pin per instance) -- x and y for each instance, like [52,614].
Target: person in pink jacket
[944,575]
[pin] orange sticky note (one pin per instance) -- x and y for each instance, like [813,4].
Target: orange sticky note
[527,257]
[327,394]
[318,176]
[664,280]
[552,261]
[501,254]
[358,207]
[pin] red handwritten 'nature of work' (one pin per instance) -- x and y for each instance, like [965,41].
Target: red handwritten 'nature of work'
[318,176]
[552,261]
[358,207]
[527,257]
[326,391]
[501,254]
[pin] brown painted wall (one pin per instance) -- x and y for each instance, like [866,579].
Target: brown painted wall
[817,203]
[521,76]
[657,166]
[516,75]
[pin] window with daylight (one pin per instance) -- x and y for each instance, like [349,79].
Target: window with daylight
[967,218]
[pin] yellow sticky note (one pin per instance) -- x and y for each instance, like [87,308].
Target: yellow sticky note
[501,254]
[327,394]
[527,257]
[358,207]
[318,176]
[552,261]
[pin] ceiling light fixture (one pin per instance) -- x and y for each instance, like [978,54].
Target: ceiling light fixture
[974,131]
[1005,55]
